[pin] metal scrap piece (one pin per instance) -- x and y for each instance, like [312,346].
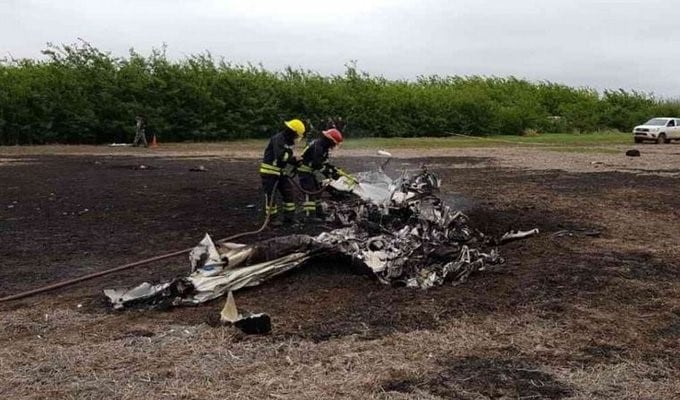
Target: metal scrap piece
[399,229]
[515,235]
[249,323]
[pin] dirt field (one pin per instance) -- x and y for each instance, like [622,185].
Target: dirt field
[590,308]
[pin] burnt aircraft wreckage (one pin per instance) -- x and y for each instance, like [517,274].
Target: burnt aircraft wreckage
[398,229]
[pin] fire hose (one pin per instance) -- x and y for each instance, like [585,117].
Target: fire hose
[69,282]
[309,192]
[268,202]
[324,186]
[145,261]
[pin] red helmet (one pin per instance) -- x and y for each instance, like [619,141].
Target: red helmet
[334,135]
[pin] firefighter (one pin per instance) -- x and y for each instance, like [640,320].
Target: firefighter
[315,168]
[276,170]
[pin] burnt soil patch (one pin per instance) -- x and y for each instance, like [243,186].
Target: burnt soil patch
[470,377]
[62,217]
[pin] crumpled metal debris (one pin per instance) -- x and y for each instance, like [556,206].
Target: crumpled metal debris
[397,228]
[408,236]
[247,322]
[517,235]
[217,270]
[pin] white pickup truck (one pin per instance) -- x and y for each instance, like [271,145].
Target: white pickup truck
[660,130]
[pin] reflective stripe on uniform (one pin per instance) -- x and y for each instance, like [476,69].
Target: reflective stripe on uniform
[305,168]
[288,207]
[272,210]
[305,149]
[310,205]
[269,169]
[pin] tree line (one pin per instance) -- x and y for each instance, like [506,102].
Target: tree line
[80,94]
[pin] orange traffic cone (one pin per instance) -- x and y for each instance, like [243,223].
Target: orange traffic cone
[154,143]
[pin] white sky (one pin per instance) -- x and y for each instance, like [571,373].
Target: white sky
[601,44]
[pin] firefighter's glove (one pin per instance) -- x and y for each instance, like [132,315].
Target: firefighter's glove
[289,170]
[319,176]
[332,172]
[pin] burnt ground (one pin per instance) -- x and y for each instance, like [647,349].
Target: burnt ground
[588,309]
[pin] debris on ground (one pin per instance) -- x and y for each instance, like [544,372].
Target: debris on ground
[247,322]
[215,271]
[633,153]
[399,230]
[577,232]
[200,168]
[517,235]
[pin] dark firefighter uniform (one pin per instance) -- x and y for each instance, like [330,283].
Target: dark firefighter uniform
[277,165]
[315,168]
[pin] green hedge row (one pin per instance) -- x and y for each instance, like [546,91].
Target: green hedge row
[80,94]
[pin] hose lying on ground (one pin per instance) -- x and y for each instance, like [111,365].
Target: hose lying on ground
[145,261]
[93,275]
[310,193]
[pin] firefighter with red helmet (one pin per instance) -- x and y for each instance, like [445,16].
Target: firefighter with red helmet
[315,168]
[277,168]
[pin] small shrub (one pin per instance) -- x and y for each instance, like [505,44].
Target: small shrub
[531,133]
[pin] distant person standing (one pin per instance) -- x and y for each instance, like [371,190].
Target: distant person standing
[140,134]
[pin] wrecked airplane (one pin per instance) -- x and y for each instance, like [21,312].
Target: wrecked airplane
[398,229]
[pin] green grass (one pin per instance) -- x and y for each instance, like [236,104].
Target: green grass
[549,140]
[564,142]
[584,149]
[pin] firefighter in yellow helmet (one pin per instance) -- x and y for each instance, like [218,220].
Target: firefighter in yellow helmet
[278,165]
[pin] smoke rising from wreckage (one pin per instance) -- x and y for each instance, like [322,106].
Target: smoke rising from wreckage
[398,229]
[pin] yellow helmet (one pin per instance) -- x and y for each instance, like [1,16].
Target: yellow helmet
[297,126]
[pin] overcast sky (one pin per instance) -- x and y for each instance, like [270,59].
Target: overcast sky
[600,44]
